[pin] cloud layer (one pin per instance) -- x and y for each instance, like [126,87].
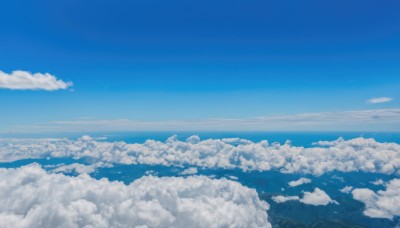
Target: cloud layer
[359,120]
[30,197]
[381,204]
[358,154]
[23,80]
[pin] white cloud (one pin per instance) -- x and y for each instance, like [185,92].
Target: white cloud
[299,182]
[284,199]
[316,198]
[346,189]
[360,120]
[79,168]
[30,197]
[382,204]
[378,182]
[378,100]
[353,155]
[23,80]
[189,171]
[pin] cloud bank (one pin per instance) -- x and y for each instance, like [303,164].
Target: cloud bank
[30,197]
[360,154]
[381,204]
[316,198]
[23,80]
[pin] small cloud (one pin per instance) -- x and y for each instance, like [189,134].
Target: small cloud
[377,100]
[23,80]
[189,171]
[299,182]
[378,182]
[284,199]
[346,189]
[316,198]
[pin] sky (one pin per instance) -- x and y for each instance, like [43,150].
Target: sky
[199,65]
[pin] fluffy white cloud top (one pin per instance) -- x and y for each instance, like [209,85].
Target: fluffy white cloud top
[316,198]
[30,197]
[23,80]
[299,182]
[78,168]
[381,204]
[360,154]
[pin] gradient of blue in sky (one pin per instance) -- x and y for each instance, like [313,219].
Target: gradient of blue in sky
[181,60]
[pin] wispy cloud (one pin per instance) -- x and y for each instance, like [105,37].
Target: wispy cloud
[377,100]
[23,80]
[360,120]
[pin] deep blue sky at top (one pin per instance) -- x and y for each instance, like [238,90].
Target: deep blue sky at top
[180,59]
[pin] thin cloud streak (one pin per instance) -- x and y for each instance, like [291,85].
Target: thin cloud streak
[362,120]
[378,100]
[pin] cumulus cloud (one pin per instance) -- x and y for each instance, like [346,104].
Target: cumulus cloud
[381,204]
[30,197]
[78,168]
[346,189]
[189,171]
[284,199]
[316,198]
[23,80]
[360,154]
[299,182]
[378,182]
[378,100]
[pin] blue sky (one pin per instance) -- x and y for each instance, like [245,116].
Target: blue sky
[157,61]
